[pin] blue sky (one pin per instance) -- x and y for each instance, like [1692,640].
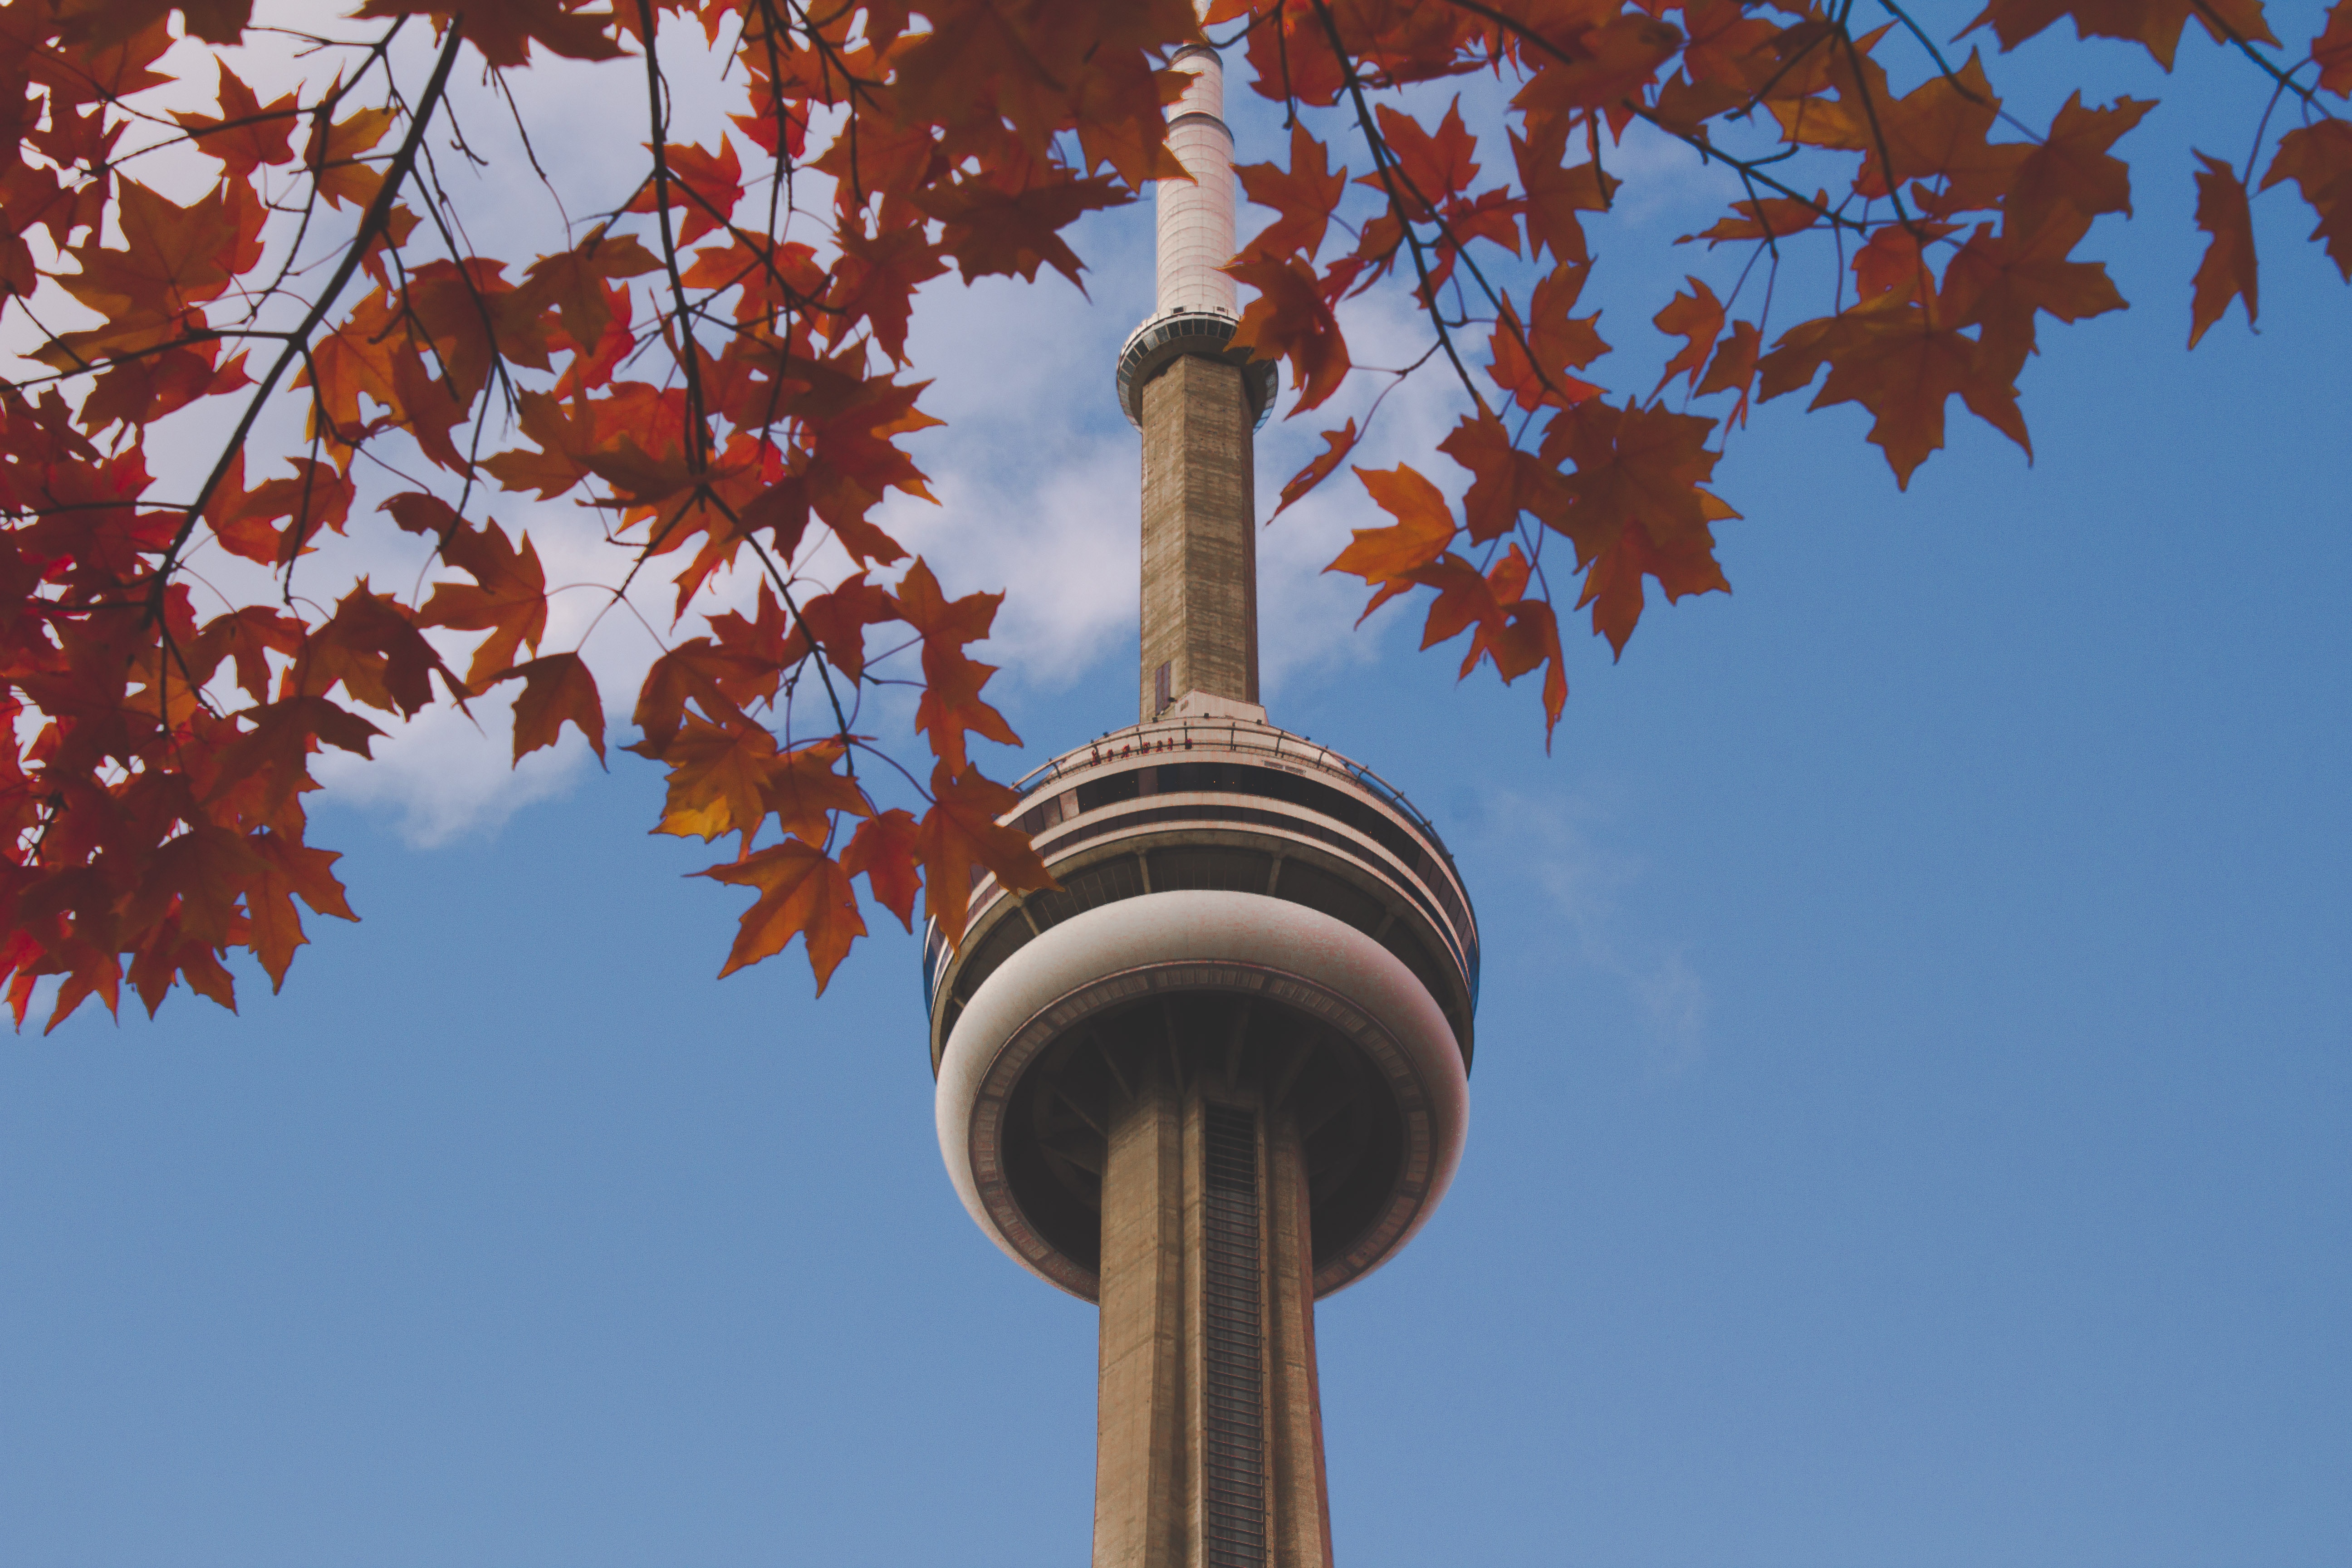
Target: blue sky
[1908,1124]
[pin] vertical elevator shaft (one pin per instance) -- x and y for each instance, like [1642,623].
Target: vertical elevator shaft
[1210,1438]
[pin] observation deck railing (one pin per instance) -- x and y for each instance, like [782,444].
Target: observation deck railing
[1295,754]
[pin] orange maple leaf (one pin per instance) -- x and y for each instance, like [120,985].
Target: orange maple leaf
[883,850]
[992,230]
[334,153]
[950,706]
[718,780]
[1290,319]
[1303,197]
[1386,557]
[802,894]
[1505,483]
[959,832]
[289,870]
[507,597]
[1531,360]
[2072,164]
[1556,192]
[1337,445]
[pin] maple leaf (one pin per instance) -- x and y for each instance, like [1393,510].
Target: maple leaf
[804,894]
[1431,165]
[1556,193]
[1386,557]
[1505,481]
[1611,62]
[246,521]
[504,30]
[287,869]
[989,229]
[805,792]
[1337,445]
[245,133]
[1735,367]
[697,672]
[1901,361]
[1531,360]
[883,851]
[2318,158]
[1303,197]
[960,831]
[2002,282]
[1697,317]
[2072,164]
[707,185]
[838,619]
[556,690]
[372,647]
[508,598]
[334,152]
[2332,50]
[1768,217]
[1635,506]
[2227,270]
[174,256]
[950,706]
[718,780]
[575,282]
[136,392]
[246,639]
[2154,23]
[1290,319]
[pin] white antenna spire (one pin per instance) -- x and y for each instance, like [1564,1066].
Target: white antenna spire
[1196,220]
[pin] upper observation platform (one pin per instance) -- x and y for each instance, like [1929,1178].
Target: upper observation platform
[1223,802]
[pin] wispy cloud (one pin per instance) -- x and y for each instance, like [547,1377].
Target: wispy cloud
[1554,844]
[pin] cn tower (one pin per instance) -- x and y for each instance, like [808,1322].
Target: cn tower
[1221,1071]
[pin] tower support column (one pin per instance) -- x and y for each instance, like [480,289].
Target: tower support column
[1210,1428]
[1199,535]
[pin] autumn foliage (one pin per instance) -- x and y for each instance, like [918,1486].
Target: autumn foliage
[257,323]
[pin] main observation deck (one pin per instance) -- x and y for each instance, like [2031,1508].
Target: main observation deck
[1258,844]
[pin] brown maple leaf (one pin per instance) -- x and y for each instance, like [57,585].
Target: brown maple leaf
[556,690]
[2227,273]
[2318,158]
